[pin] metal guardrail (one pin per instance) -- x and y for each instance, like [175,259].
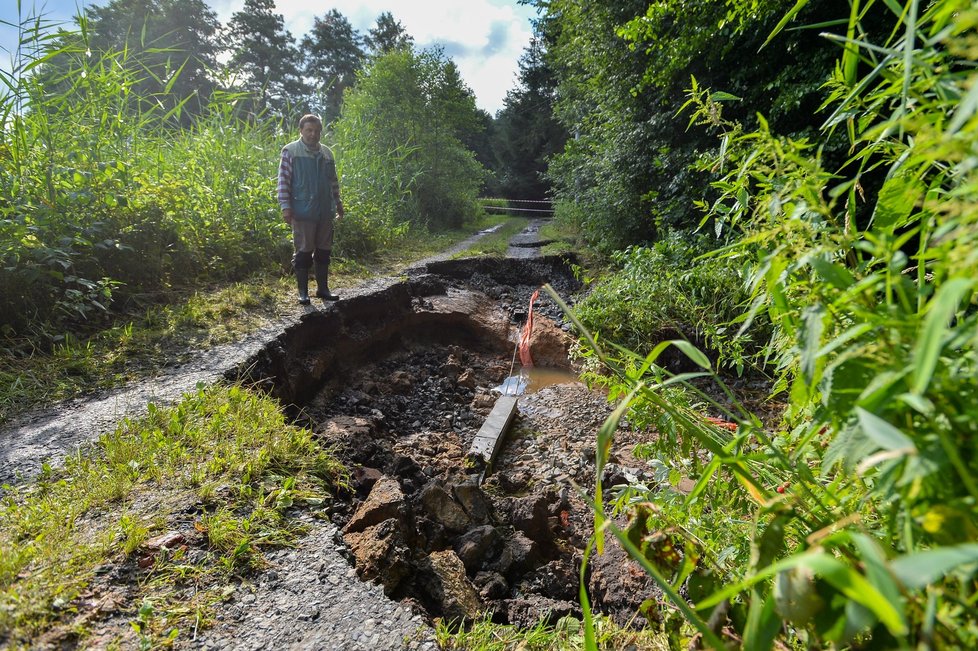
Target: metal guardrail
[509,207]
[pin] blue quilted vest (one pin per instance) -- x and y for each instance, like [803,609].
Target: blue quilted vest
[312,178]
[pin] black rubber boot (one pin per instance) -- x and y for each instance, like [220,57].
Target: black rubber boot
[302,281]
[322,282]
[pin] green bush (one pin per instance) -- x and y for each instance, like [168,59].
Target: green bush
[667,291]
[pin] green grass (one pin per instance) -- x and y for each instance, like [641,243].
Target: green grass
[222,469]
[566,635]
[137,345]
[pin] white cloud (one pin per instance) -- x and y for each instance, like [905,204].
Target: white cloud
[485,38]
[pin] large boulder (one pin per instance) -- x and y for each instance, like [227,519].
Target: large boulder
[477,546]
[549,345]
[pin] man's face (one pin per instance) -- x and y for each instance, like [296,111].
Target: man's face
[310,133]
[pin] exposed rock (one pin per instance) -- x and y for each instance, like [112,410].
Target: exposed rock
[557,579]
[549,345]
[483,401]
[467,379]
[443,509]
[477,546]
[346,428]
[385,502]
[492,585]
[380,553]
[401,382]
[519,555]
[447,585]
[474,500]
[530,515]
[527,611]
[364,479]
[452,368]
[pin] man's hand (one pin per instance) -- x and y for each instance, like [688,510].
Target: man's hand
[339,210]
[287,215]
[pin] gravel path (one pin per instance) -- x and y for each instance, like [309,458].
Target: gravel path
[311,598]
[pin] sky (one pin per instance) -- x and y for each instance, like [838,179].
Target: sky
[485,38]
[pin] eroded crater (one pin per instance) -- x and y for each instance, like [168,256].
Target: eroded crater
[400,380]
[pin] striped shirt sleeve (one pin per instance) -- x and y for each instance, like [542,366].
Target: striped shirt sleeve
[285,180]
[335,187]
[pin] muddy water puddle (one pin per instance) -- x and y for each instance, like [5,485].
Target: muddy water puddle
[399,383]
[532,379]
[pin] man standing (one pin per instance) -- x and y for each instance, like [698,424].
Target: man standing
[309,194]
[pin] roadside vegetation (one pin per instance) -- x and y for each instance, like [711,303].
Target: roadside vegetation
[850,521]
[166,511]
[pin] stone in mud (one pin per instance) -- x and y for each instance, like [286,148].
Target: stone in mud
[549,345]
[364,479]
[451,369]
[483,400]
[446,584]
[380,554]
[346,428]
[527,611]
[474,500]
[531,516]
[477,546]
[557,579]
[467,379]
[491,585]
[516,480]
[443,509]
[401,382]
[385,502]
[519,555]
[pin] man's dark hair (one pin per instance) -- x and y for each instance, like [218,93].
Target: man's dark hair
[309,117]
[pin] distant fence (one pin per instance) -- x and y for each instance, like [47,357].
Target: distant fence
[529,207]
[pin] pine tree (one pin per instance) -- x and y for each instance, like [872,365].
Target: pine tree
[334,52]
[264,52]
[387,35]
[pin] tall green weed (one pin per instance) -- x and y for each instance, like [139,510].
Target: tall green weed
[853,523]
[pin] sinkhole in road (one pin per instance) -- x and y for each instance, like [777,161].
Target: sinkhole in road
[398,380]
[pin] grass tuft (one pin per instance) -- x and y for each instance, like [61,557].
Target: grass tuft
[142,483]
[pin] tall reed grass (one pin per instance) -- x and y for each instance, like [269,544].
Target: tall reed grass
[105,199]
[111,199]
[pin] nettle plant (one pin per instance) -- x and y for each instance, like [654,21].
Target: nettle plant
[862,506]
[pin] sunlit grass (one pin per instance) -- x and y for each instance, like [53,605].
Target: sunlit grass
[566,635]
[139,344]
